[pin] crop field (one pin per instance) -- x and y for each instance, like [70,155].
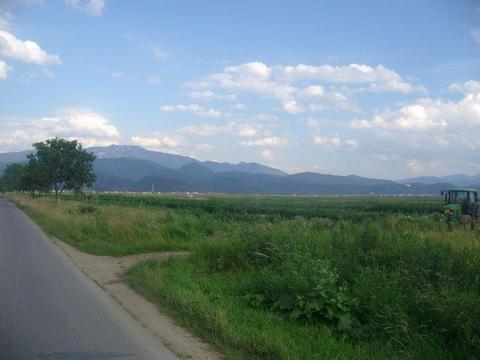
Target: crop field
[292,277]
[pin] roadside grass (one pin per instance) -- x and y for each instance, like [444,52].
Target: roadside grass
[118,230]
[212,306]
[409,290]
[262,283]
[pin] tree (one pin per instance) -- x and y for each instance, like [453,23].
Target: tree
[35,177]
[67,164]
[81,174]
[12,177]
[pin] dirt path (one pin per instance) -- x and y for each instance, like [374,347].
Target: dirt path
[107,272]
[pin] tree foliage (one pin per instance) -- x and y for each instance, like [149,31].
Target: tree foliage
[12,177]
[57,164]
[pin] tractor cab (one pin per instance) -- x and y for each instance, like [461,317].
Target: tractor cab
[461,202]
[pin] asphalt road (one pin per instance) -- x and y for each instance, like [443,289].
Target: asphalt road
[50,310]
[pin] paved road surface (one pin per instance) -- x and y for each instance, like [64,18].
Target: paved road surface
[50,310]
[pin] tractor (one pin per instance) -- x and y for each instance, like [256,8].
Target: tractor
[461,205]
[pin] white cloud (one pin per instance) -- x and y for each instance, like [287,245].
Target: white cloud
[268,141]
[293,107]
[203,129]
[470,87]
[267,155]
[378,78]
[210,95]
[429,114]
[27,51]
[247,130]
[79,124]
[161,141]
[334,141]
[239,107]
[283,84]
[89,7]
[4,69]
[429,129]
[169,142]
[194,109]
[266,118]
[249,77]
[240,129]
[5,21]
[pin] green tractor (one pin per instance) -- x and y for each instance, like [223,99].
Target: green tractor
[461,205]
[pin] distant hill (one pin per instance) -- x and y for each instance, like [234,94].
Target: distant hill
[129,168]
[456,179]
[14,157]
[249,168]
[324,179]
[243,183]
[132,168]
[174,161]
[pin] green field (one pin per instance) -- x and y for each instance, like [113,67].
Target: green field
[293,277]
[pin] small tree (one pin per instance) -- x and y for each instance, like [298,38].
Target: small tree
[12,177]
[35,177]
[81,174]
[68,165]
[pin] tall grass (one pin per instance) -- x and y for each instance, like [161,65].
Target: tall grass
[402,282]
[372,278]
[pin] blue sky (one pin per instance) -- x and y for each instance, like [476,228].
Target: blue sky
[385,89]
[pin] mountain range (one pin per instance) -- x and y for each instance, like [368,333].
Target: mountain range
[132,168]
[456,179]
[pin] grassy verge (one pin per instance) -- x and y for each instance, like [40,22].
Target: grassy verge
[265,283]
[213,307]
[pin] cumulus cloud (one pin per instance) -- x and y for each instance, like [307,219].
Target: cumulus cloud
[4,69]
[209,95]
[5,21]
[334,142]
[80,124]
[268,141]
[27,51]
[470,87]
[194,109]
[161,141]
[239,106]
[89,7]
[171,142]
[427,114]
[377,78]
[302,88]
[429,129]
[240,129]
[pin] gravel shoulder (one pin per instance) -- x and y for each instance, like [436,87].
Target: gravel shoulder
[107,272]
